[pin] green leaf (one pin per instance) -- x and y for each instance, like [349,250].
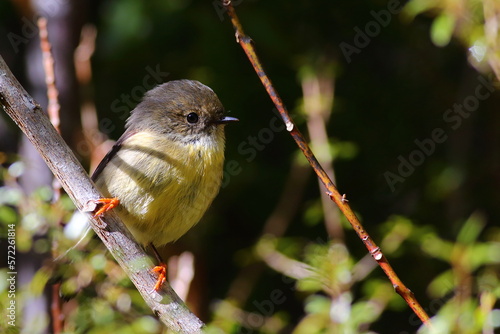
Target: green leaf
[471,229]
[8,215]
[441,285]
[442,29]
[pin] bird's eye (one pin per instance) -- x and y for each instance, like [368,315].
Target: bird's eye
[192,117]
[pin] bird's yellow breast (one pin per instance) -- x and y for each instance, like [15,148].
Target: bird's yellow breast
[164,186]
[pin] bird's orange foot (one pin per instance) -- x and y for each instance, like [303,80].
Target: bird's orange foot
[161,270]
[107,204]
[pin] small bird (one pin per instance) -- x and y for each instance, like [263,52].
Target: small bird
[164,171]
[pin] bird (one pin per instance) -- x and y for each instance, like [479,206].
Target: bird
[165,170]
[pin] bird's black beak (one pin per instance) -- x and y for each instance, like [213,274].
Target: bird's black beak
[226,119]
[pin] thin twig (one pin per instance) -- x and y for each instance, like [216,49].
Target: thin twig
[29,116]
[50,75]
[318,92]
[56,309]
[281,263]
[288,204]
[53,111]
[94,143]
[343,204]
[53,107]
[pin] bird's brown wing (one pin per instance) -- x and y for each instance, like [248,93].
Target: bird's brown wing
[107,158]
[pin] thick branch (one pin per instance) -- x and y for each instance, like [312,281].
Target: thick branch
[33,121]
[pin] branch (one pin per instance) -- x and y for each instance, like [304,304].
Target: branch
[29,116]
[341,201]
[53,107]
[318,93]
[53,110]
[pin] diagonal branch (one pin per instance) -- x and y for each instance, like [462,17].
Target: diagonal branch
[29,116]
[341,201]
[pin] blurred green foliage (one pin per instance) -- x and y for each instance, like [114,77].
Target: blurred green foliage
[438,226]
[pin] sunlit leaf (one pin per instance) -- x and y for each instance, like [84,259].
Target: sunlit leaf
[442,29]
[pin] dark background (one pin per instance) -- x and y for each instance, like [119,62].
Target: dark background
[393,91]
